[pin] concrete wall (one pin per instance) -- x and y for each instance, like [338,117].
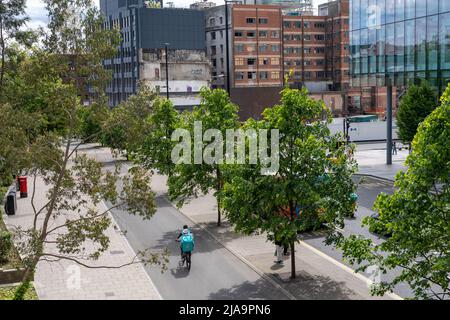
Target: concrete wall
[189,71]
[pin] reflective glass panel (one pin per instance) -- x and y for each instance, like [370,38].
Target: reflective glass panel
[390,11]
[421,41]
[410,9]
[399,10]
[444,37]
[444,6]
[381,49]
[363,13]
[355,14]
[381,10]
[421,8]
[399,46]
[432,40]
[390,48]
[432,7]
[409,45]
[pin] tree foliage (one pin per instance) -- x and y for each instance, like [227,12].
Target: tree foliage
[156,150]
[190,180]
[312,186]
[44,116]
[127,127]
[418,102]
[417,215]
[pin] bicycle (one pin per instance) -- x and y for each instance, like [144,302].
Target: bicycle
[185,259]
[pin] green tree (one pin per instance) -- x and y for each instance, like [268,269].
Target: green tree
[190,179]
[155,153]
[12,18]
[47,134]
[127,127]
[417,215]
[312,186]
[418,102]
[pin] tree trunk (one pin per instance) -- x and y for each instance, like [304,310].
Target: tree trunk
[293,271]
[219,188]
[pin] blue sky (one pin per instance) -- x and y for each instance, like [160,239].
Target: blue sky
[38,14]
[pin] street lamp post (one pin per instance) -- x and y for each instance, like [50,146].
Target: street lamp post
[167,70]
[389,125]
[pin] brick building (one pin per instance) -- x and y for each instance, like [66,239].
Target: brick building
[268,41]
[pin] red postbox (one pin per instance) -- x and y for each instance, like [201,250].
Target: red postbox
[23,187]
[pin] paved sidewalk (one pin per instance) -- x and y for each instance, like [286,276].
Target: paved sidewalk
[66,280]
[372,161]
[319,276]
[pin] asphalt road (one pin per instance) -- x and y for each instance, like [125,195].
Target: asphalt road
[215,272]
[367,193]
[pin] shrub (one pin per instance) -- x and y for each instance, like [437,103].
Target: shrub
[5,245]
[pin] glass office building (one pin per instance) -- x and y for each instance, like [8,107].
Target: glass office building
[397,41]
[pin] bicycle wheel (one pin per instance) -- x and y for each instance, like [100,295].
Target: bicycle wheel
[188,261]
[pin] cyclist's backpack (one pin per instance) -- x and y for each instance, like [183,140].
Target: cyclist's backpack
[187,243]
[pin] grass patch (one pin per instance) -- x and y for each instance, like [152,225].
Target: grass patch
[7,293]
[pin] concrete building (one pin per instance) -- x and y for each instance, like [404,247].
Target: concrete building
[141,57]
[397,43]
[202,5]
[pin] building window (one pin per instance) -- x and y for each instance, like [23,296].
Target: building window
[251,20]
[239,61]
[221,34]
[319,25]
[263,75]
[221,48]
[239,76]
[213,35]
[307,37]
[274,34]
[306,25]
[319,37]
[263,48]
[251,75]
[263,34]
[275,75]
[251,48]
[214,62]
[286,24]
[306,50]
[251,61]
[238,34]
[298,24]
[212,22]
[213,50]
[263,20]
[250,34]
[307,63]
[275,48]
[275,61]
[239,48]
[221,20]
[319,50]
[264,61]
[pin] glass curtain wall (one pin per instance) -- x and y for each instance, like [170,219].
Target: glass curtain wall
[401,41]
